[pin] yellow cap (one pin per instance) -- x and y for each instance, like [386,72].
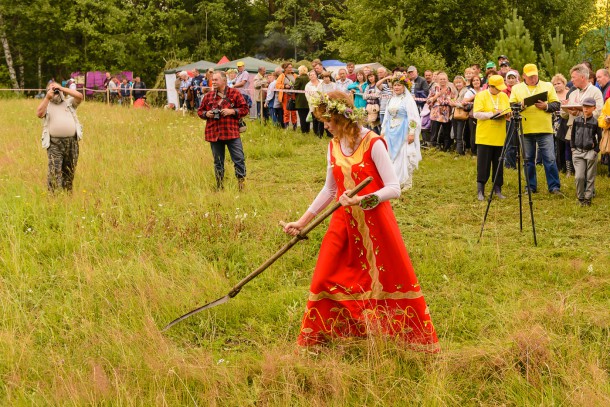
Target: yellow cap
[497,82]
[240,63]
[530,70]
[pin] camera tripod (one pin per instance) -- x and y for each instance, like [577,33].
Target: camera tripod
[515,138]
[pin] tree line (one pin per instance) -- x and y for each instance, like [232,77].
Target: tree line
[43,38]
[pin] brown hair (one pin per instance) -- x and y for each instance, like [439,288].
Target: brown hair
[344,127]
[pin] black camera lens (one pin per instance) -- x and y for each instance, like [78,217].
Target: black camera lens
[56,91]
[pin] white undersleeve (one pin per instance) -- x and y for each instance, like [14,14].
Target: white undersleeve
[382,161]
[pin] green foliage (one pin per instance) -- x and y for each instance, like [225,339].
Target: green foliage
[468,56]
[65,36]
[393,52]
[592,47]
[304,62]
[421,58]
[557,59]
[516,43]
[298,27]
[88,280]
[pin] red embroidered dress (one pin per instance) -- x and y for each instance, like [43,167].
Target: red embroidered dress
[364,281]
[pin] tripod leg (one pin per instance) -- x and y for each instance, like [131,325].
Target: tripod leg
[529,189]
[519,155]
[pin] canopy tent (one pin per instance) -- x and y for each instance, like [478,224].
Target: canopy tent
[201,65]
[223,60]
[251,64]
[332,62]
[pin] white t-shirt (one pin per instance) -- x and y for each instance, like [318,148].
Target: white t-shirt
[242,76]
[61,121]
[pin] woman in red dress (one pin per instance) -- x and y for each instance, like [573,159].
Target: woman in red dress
[363,282]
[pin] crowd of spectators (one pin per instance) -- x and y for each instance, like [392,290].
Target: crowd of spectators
[123,91]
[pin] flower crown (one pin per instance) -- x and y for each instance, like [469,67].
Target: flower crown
[337,106]
[403,80]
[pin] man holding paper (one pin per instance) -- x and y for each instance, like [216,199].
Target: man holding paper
[538,126]
[579,75]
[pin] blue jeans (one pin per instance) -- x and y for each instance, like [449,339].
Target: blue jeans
[247,99]
[236,151]
[546,146]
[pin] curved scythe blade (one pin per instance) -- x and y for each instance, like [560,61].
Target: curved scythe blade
[219,301]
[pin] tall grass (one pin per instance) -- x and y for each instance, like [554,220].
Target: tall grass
[88,280]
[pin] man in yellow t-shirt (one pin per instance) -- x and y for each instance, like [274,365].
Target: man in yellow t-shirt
[490,135]
[538,127]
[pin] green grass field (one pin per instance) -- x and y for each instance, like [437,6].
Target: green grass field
[88,281]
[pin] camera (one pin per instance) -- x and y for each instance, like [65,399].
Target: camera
[516,106]
[56,91]
[216,113]
[516,109]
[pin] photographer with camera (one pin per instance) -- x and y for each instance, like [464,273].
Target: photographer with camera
[60,135]
[222,110]
[538,127]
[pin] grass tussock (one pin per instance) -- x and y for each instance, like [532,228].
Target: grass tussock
[88,280]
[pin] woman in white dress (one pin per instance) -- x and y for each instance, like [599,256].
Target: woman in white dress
[401,128]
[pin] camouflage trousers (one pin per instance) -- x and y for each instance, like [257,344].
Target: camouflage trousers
[63,156]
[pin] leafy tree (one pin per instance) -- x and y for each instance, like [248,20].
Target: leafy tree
[542,16]
[421,57]
[557,59]
[468,56]
[297,28]
[592,48]
[516,44]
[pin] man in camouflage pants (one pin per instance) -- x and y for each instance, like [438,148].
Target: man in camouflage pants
[60,135]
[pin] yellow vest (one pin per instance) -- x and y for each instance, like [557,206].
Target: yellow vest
[490,132]
[534,119]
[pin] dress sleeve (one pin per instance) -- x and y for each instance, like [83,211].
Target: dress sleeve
[328,192]
[391,186]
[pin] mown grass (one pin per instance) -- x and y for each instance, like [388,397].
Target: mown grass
[88,280]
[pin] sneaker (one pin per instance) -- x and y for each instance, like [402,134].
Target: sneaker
[587,202]
[556,192]
[534,191]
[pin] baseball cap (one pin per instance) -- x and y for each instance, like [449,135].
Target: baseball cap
[505,63]
[240,63]
[502,57]
[530,70]
[490,65]
[512,73]
[588,102]
[497,82]
[411,69]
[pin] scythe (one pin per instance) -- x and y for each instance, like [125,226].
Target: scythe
[303,235]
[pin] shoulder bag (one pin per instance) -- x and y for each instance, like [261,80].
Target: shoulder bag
[604,144]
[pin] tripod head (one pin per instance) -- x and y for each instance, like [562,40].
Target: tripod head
[516,109]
